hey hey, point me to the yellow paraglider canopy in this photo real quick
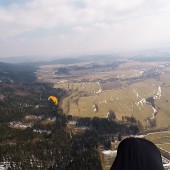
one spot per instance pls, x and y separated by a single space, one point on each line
54 99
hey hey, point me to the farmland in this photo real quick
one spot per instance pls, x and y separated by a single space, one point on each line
159 138
127 87
162 140
165 146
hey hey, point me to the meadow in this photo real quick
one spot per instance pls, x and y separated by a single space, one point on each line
123 89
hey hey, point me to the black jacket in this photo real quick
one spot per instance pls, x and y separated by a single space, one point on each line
137 154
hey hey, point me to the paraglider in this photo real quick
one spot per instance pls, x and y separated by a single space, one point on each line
54 99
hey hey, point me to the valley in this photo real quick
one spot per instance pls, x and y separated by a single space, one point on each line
100 101
126 87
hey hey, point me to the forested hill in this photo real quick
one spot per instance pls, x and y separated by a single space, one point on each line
33 131
17 72
36 134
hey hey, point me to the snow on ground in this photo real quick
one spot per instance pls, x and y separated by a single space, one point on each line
166 162
104 101
158 95
141 102
109 152
42 131
135 91
100 90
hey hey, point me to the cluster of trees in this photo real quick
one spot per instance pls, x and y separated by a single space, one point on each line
17 72
106 130
25 149
130 120
60 149
21 99
107 126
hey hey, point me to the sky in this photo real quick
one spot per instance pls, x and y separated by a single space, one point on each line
82 27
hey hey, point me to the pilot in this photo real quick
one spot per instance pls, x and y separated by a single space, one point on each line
137 154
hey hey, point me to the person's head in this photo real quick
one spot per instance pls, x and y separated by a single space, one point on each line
137 154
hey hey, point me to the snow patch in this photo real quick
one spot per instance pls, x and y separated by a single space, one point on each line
109 152
141 102
158 95
100 90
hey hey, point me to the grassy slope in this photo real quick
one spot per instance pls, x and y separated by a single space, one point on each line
121 101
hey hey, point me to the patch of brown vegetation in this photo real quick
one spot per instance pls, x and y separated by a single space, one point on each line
111 85
22 93
2 97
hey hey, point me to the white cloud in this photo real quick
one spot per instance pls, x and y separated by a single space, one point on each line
114 5
94 26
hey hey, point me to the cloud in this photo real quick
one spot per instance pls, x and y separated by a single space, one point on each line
82 26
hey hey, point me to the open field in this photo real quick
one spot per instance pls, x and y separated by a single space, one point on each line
165 146
122 101
94 88
162 140
159 138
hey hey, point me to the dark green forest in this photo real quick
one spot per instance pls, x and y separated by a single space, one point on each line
29 139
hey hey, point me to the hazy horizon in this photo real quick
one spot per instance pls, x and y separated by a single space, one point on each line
72 27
